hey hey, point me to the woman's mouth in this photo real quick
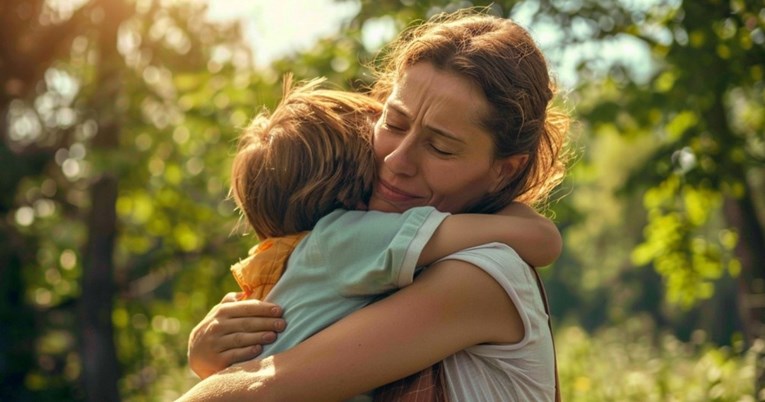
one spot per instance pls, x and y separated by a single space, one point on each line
391 193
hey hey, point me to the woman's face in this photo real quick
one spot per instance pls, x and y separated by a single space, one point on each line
429 146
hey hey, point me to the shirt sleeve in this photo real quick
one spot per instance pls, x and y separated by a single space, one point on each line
507 268
370 252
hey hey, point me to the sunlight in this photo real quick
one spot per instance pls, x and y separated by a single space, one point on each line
56 11
276 29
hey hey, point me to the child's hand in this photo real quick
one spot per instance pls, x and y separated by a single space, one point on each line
233 331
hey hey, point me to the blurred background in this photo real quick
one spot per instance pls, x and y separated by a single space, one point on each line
118 126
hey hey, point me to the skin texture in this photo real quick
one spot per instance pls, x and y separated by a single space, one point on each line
378 344
430 148
233 332
428 153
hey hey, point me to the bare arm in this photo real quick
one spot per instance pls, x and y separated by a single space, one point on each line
233 331
535 238
451 306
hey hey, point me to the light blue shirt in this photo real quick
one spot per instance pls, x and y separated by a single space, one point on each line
348 260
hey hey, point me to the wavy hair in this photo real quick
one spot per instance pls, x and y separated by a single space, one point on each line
502 59
308 157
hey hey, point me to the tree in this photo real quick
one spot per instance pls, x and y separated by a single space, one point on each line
703 103
97 135
25 151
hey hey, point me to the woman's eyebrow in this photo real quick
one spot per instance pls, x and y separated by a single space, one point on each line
445 134
398 108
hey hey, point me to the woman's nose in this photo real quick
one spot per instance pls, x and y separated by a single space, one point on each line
402 160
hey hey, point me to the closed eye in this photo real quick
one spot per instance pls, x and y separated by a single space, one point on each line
440 151
391 127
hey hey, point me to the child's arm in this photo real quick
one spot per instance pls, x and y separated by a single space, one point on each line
535 238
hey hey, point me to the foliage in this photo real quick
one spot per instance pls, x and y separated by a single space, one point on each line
635 362
666 156
699 102
180 99
699 98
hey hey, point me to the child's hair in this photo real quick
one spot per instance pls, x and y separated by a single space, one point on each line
312 155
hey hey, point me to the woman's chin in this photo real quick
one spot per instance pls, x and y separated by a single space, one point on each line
383 205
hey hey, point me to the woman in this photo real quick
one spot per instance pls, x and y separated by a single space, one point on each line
466 127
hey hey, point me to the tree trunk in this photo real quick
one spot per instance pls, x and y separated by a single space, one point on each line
101 369
99 355
741 214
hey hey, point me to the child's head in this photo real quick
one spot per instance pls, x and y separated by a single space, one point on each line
312 155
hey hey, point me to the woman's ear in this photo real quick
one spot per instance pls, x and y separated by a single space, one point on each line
507 169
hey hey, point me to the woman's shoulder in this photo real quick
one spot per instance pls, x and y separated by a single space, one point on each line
499 260
523 370
517 279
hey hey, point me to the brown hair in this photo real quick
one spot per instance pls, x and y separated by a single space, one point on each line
312 155
502 59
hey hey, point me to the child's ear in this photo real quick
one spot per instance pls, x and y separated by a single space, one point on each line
505 170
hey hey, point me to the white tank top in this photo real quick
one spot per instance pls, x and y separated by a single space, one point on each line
523 371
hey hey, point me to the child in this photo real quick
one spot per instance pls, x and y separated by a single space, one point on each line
301 177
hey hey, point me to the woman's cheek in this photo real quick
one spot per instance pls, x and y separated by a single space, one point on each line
383 145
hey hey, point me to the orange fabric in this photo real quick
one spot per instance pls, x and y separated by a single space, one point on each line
258 273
